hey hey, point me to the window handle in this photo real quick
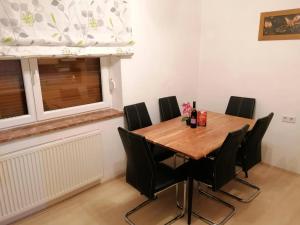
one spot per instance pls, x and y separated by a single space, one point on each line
112 85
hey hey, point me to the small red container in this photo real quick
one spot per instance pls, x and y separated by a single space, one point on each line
203 119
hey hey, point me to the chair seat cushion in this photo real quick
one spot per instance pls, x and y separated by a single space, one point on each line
167 176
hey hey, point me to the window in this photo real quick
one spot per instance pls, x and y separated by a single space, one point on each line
12 90
38 89
69 82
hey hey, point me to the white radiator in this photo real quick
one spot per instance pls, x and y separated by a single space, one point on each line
32 177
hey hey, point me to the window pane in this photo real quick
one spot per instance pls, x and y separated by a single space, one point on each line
12 92
70 82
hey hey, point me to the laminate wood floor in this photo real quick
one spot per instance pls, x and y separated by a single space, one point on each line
105 204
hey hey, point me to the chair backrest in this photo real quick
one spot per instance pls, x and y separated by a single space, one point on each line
141 168
251 146
241 106
224 167
137 116
168 107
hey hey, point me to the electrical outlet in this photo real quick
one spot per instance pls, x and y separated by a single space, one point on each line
289 119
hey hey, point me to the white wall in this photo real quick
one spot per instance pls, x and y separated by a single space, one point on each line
233 62
166 59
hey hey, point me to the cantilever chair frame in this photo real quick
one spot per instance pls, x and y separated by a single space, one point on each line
217 185
219 200
266 119
142 171
216 199
148 201
250 198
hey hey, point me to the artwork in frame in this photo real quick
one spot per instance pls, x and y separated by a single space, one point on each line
280 25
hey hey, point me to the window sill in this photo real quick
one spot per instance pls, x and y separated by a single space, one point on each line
57 124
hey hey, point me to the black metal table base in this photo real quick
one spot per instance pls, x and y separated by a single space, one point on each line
190 198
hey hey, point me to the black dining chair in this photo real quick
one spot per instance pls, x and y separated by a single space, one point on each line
137 117
217 170
168 107
146 175
241 106
249 154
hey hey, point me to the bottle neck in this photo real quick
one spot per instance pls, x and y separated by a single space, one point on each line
194 105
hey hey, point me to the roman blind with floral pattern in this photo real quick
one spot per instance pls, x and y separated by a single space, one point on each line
43 28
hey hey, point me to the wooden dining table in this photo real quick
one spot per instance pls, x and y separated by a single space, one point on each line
194 143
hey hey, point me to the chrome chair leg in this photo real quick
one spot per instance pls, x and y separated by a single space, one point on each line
208 221
178 216
136 209
174 161
185 159
240 169
177 202
178 156
184 197
251 197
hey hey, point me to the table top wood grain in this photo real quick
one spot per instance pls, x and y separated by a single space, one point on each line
194 143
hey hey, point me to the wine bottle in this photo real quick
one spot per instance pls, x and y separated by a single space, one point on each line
194 116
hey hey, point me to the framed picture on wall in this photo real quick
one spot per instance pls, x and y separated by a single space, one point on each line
279 25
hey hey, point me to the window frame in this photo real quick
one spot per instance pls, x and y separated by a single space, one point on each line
44 115
30 101
34 98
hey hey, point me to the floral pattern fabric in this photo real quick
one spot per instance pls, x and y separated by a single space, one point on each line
70 25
